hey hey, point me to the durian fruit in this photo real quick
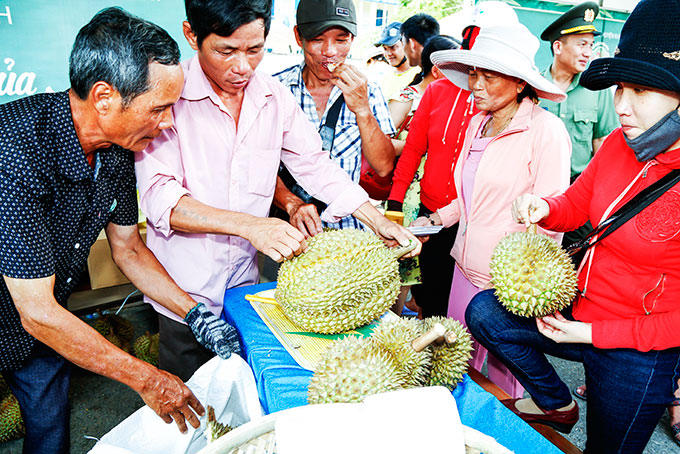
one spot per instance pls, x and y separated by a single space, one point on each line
146 348
532 274
121 326
4 388
213 428
118 341
396 337
347 278
450 357
352 368
11 422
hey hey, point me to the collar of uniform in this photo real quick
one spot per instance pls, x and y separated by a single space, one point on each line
71 156
197 86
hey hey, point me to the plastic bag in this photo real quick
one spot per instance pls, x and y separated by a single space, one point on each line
227 385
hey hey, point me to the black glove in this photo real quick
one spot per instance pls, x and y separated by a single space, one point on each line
212 332
393 205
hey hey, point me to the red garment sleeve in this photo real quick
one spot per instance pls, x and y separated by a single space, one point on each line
414 149
644 333
571 210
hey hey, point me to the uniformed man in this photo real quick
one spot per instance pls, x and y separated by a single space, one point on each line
589 116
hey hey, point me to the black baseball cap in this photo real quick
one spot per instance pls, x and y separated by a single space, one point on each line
316 16
579 19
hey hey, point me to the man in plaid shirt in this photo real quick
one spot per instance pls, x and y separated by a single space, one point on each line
325 31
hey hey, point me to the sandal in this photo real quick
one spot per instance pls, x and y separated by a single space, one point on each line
580 392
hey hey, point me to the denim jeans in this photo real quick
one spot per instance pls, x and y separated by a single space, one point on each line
628 390
41 387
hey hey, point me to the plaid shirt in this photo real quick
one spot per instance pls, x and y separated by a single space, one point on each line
347 143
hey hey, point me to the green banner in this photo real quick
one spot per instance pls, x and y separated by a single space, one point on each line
37 36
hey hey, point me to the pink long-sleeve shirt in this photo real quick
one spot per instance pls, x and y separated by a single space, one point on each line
531 156
207 157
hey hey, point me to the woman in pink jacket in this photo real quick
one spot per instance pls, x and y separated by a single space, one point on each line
511 147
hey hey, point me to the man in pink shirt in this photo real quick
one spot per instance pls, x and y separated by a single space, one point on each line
206 185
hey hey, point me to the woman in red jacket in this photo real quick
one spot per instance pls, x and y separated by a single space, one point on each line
624 322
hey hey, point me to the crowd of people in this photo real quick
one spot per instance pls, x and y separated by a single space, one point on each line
465 134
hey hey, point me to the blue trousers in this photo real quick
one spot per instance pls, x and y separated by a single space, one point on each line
41 386
628 390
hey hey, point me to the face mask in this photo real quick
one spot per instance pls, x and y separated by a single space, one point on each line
656 139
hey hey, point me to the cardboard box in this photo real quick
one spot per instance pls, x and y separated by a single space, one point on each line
100 266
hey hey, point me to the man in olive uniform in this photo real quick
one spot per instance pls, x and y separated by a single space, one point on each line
588 115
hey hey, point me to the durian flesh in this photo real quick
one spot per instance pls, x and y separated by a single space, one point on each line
347 278
532 275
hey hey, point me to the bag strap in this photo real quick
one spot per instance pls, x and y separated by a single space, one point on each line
638 203
334 112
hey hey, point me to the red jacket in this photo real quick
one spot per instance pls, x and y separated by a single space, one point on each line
438 128
632 280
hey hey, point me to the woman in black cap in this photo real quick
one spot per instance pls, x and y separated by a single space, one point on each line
624 323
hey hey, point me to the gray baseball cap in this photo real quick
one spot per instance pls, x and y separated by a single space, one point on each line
315 16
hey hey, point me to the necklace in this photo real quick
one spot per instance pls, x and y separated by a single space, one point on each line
487 129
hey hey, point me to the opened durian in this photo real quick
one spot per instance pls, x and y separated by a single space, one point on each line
532 274
450 357
11 422
347 278
146 348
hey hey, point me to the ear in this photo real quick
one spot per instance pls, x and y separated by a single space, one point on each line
436 73
190 35
557 46
102 97
298 37
520 86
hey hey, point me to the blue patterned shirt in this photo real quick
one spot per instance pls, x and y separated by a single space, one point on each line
347 143
53 205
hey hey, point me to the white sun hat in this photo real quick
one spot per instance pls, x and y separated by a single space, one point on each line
507 49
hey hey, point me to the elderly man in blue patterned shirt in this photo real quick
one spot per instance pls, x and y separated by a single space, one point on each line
325 31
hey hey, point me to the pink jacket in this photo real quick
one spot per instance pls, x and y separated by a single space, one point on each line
531 156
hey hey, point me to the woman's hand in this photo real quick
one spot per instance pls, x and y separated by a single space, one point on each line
434 219
529 209
561 330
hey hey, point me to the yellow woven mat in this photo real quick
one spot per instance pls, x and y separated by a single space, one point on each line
305 347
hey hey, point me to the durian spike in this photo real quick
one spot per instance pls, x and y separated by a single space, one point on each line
400 251
437 332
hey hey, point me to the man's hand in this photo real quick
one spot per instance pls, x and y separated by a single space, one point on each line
305 218
395 235
275 238
213 333
561 330
171 399
354 87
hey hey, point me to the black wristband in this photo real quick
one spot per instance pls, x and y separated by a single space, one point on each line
427 215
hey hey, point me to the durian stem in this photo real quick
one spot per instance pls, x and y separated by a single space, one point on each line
437 332
399 251
532 228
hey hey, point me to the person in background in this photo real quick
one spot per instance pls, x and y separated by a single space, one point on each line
436 135
67 172
623 325
415 32
325 31
402 112
588 115
393 48
376 66
512 146
206 185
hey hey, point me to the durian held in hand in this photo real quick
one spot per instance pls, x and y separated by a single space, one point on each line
532 275
346 279
399 354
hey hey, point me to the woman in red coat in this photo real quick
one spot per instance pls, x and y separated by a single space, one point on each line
624 323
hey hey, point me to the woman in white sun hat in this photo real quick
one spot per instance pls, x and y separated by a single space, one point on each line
511 147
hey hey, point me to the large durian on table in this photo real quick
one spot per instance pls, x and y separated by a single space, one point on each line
346 279
532 274
399 354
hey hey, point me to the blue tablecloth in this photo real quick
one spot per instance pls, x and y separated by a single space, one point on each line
283 384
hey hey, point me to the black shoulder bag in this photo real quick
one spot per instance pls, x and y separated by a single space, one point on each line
327 132
638 203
